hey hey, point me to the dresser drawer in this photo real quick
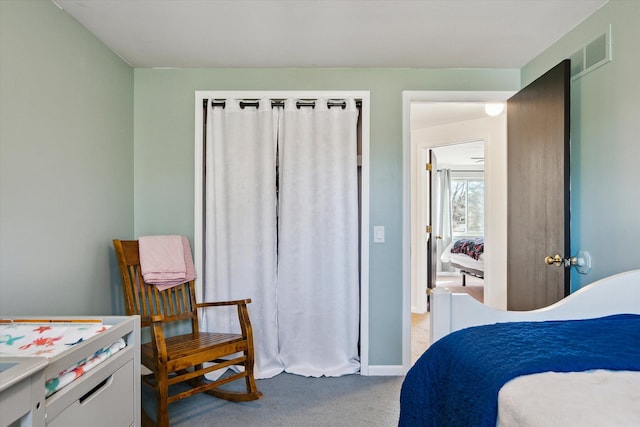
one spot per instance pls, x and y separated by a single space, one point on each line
110 403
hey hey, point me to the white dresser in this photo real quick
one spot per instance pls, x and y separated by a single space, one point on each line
107 395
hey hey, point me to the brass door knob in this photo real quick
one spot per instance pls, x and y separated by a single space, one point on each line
582 262
556 260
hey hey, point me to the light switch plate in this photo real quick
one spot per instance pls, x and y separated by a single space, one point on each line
378 234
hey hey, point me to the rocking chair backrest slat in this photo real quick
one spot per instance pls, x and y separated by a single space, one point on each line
173 304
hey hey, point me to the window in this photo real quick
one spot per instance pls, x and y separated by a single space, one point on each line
467 206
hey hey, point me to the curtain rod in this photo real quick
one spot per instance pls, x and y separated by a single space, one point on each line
280 103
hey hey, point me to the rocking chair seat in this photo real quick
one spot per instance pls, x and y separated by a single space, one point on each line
200 348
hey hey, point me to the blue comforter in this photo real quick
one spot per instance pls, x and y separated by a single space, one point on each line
457 380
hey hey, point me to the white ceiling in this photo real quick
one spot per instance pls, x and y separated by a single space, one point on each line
467 155
429 114
329 33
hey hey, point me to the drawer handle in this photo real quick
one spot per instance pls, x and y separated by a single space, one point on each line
96 389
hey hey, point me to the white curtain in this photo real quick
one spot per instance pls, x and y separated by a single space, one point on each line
240 223
318 288
298 261
444 224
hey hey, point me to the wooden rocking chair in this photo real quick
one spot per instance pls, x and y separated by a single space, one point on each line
180 358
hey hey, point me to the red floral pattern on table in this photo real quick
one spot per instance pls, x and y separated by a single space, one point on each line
40 342
28 339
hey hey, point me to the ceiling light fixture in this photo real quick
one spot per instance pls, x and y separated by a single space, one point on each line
493 109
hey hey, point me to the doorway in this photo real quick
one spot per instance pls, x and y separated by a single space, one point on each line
495 199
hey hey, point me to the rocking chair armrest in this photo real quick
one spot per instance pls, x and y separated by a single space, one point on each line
223 303
151 318
156 318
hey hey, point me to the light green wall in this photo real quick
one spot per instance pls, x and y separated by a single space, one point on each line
66 163
605 150
164 158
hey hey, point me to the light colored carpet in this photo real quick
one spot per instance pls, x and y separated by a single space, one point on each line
420 330
292 400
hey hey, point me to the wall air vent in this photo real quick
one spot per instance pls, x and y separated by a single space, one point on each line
591 56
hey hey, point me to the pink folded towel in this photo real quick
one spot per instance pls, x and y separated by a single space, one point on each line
166 261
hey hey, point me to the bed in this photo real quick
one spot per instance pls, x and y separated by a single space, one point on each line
58 371
576 362
467 255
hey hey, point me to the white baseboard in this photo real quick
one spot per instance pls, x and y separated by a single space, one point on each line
385 370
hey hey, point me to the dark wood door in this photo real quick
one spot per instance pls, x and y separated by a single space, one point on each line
538 190
432 244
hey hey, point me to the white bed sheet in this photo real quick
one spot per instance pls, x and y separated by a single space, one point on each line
592 398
